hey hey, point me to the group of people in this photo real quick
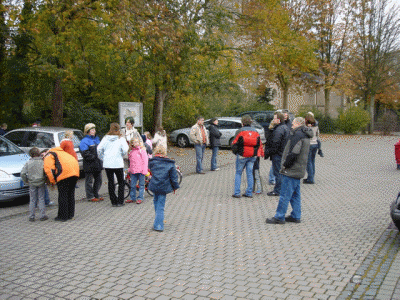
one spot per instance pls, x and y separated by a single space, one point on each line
118 148
291 147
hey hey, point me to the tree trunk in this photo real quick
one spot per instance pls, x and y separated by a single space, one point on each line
327 95
372 114
285 96
159 99
58 107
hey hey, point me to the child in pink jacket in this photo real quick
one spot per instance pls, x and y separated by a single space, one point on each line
138 168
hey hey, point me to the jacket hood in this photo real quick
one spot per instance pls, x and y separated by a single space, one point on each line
112 138
306 130
163 158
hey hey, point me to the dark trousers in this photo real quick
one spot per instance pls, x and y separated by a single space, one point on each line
276 166
92 189
66 198
111 185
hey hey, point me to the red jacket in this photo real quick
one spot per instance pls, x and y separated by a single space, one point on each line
249 142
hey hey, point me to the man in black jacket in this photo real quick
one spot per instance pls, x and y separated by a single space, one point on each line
293 168
274 146
215 142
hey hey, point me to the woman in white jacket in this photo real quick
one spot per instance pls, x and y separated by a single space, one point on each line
111 151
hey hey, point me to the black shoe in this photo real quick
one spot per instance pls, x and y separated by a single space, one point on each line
291 219
247 196
201 173
236 196
320 153
272 193
60 220
32 219
274 221
305 181
44 218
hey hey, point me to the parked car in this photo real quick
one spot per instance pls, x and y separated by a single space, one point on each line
44 138
227 125
263 117
12 160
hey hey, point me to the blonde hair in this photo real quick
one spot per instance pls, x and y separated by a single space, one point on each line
68 134
138 140
148 135
160 149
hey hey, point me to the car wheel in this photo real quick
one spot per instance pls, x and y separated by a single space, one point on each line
230 142
182 141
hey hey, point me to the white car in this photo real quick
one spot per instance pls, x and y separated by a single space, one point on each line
12 160
44 138
226 125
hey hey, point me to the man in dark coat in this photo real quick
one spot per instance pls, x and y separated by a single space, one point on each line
92 165
293 168
274 146
215 142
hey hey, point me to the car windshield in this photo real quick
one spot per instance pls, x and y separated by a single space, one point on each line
7 148
76 139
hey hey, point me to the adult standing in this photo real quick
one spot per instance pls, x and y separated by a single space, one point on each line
129 132
312 124
249 146
62 169
199 137
288 122
274 146
293 168
111 150
92 165
215 142
160 137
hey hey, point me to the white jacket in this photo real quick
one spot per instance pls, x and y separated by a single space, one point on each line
112 150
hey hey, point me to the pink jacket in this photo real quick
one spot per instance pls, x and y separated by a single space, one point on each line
138 161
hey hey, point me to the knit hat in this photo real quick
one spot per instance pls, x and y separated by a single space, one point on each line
88 127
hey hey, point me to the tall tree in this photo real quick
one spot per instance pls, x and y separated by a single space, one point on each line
278 35
331 29
376 38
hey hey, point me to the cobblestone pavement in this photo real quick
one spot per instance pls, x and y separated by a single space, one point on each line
218 247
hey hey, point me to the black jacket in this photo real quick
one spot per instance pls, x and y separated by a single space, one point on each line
276 141
215 135
91 162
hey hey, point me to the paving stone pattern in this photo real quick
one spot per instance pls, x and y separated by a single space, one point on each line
218 247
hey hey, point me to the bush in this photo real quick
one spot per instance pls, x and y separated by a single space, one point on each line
78 116
353 120
388 122
325 123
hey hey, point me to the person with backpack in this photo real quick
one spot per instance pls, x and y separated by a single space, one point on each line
247 145
62 169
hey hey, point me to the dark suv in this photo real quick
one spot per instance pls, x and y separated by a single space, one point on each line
263 117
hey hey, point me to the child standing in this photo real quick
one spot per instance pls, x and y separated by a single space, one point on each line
164 180
33 174
138 168
67 145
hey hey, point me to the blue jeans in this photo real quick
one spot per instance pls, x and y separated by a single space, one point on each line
271 178
290 193
134 179
241 163
199 156
276 165
36 194
159 206
214 158
311 162
46 196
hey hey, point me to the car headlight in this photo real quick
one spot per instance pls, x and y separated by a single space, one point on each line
5 175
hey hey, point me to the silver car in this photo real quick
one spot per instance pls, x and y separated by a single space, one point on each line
12 160
44 138
226 125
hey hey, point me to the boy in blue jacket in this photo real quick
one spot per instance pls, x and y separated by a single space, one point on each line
164 180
